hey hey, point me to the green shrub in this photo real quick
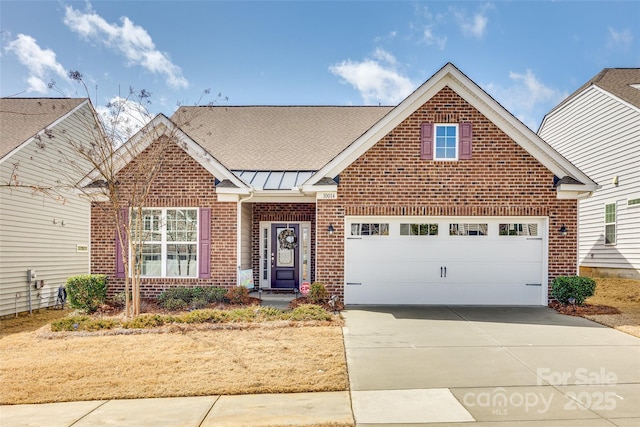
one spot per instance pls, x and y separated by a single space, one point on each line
563 288
198 297
118 300
199 302
148 321
214 294
82 323
87 292
237 295
318 293
308 312
204 316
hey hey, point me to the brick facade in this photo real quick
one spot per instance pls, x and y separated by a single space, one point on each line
501 179
390 179
181 182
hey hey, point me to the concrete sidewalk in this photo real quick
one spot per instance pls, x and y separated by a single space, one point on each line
484 366
296 409
489 365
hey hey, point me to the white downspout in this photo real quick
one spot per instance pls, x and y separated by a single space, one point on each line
239 234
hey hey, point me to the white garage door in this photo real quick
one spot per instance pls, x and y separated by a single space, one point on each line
476 261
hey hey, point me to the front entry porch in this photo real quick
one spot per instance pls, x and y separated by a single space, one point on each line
285 255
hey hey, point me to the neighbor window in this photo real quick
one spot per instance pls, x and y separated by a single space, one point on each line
169 242
634 202
468 229
368 229
518 229
610 224
446 142
418 229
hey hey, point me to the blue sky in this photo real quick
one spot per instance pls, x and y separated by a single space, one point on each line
528 55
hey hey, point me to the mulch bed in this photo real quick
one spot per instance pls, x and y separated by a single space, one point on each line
582 310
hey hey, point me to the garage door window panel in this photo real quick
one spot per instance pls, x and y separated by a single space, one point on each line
418 229
370 229
529 230
468 229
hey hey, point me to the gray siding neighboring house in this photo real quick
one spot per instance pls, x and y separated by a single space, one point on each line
598 129
49 231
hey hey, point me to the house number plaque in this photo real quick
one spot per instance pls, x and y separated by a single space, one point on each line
327 195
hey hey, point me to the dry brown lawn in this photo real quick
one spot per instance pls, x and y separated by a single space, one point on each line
623 294
38 366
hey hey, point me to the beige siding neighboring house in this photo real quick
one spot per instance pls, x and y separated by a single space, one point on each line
598 129
44 224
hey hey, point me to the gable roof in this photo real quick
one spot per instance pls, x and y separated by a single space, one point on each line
621 82
276 138
452 77
23 118
161 125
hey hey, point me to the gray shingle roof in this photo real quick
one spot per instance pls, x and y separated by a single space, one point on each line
276 138
22 118
617 81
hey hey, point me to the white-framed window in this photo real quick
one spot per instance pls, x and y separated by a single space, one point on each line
418 229
445 142
633 202
468 229
610 224
370 229
170 242
518 230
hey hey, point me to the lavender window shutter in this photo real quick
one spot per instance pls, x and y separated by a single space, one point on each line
204 242
464 148
426 141
122 220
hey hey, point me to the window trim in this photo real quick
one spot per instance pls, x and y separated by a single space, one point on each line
611 223
164 243
456 142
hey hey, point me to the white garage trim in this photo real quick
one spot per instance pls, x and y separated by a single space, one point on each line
476 266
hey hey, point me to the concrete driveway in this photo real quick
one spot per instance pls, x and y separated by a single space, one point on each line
513 365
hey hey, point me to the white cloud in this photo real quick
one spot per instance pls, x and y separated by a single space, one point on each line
129 39
476 25
431 39
41 63
122 118
377 80
428 33
622 38
526 97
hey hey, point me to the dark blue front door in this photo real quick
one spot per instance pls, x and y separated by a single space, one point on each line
285 250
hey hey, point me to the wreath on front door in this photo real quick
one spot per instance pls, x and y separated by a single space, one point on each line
287 239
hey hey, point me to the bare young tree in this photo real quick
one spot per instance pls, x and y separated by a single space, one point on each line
125 153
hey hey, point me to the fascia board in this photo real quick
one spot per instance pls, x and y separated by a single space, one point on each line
518 131
450 76
228 190
382 127
156 128
282 198
318 188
